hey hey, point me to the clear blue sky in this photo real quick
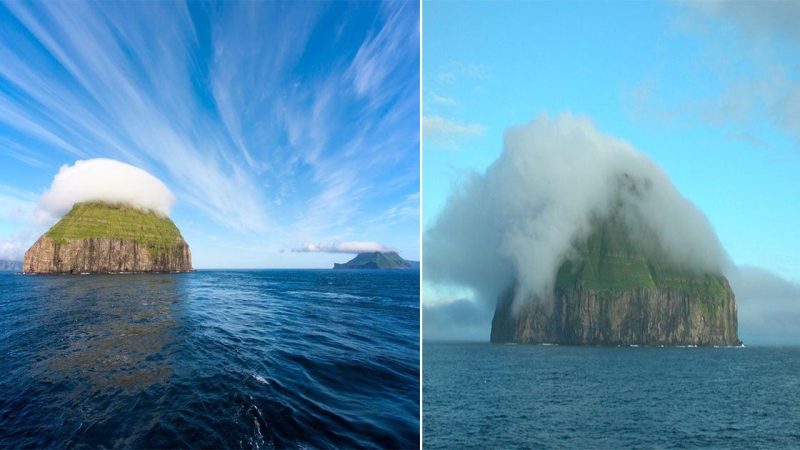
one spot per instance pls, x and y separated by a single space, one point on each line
709 90
274 124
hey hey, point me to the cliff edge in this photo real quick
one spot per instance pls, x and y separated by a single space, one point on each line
97 237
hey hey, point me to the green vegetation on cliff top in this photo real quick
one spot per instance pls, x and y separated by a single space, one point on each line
117 222
376 260
609 261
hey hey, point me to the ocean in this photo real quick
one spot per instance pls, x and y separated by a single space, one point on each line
524 396
212 359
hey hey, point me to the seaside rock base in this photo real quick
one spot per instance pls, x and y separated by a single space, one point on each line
101 255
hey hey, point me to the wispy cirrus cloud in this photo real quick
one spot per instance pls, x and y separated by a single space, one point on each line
455 71
378 55
237 107
441 99
406 209
746 49
94 80
447 132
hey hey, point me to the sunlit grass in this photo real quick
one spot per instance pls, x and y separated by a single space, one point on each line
116 222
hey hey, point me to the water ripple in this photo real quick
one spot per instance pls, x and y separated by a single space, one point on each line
226 359
499 396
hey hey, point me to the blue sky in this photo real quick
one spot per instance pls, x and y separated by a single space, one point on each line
274 124
708 90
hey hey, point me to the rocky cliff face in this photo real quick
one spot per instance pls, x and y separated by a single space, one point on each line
102 255
615 292
640 316
99 238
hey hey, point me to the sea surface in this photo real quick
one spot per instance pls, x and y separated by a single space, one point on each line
524 396
211 359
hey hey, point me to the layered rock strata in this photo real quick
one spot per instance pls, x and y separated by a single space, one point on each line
619 291
103 238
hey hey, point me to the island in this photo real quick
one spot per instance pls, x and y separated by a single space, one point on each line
99 237
378 260
616 292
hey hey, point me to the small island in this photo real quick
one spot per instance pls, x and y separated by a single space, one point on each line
99 237
378 260
618 292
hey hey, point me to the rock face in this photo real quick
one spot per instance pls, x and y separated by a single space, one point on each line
103 238
377 260
643 316
616 293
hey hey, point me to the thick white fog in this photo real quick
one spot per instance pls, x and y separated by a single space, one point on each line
521 219
768 306
103 180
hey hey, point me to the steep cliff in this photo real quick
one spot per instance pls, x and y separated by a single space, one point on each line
616 291
103 238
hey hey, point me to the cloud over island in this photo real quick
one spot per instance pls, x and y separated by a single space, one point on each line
272 124
343 247
521 219
105 180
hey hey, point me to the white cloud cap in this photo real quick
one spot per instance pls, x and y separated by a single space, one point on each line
521 219
343 247
103 180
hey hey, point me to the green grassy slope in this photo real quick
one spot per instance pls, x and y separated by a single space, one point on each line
609 260
380 260
115 221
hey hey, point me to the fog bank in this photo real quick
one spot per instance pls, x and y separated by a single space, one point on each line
768 305
522 218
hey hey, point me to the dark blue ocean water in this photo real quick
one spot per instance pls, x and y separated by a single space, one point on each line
242 359
519 396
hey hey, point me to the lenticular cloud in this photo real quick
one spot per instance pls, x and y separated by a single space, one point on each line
104 180
344 247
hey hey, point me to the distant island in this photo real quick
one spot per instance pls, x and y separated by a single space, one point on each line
98 237
378 260
10 266
617 293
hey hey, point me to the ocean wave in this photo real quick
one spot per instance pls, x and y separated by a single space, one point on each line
211 359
